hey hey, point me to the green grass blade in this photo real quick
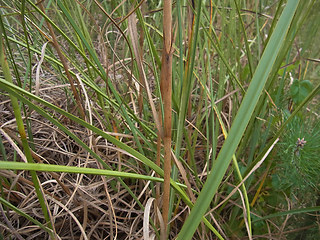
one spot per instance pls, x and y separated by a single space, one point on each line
241 120
40 167
186 85
17 210
246 43
290 212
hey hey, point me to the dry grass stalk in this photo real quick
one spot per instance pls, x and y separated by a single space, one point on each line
166 92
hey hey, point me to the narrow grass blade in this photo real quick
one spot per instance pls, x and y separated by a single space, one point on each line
290 212
18 211
40 167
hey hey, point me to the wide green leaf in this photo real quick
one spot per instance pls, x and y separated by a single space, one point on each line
299 90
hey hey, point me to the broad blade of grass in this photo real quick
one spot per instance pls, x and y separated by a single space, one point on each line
240 123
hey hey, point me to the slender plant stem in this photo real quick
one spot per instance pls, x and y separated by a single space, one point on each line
166 93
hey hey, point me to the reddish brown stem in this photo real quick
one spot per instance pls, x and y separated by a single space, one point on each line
65 66
166 92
